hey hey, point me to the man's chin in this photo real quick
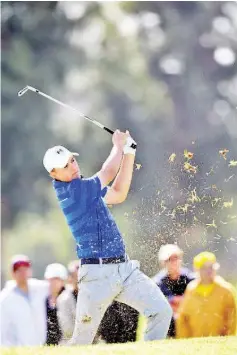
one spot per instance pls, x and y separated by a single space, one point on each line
77 176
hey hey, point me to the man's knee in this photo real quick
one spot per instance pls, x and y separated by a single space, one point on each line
163 311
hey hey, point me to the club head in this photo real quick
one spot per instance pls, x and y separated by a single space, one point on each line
23 91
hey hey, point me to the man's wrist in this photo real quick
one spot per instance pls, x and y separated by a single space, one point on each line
129 150
117 149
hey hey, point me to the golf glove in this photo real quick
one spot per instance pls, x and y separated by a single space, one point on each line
128 149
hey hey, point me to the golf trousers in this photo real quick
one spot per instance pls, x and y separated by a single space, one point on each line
100 284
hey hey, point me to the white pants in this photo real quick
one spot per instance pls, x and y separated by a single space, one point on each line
99 285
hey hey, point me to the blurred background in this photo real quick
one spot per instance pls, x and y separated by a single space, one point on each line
167 71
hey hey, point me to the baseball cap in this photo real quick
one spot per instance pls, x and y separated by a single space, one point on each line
167 250
204 257
57 157
55 270
20 260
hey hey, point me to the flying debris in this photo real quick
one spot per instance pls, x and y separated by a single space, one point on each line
232 163
223 153
213 224
190 168
188 155
172 157
193 196
228 204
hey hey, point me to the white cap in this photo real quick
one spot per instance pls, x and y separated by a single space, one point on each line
166 251
56 157
55 270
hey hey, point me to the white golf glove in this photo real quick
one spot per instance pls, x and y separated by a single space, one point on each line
128 149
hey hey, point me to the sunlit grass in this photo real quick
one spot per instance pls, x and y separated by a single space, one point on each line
201 346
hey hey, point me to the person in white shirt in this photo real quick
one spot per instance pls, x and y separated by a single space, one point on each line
22 307
67 300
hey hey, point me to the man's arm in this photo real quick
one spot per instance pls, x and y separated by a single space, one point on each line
65 314
111 166
7 330
183 329
230 317
121 185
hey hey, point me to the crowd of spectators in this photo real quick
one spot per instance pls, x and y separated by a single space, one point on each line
42 312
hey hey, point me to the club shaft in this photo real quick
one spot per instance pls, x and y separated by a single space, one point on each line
98 124
71 108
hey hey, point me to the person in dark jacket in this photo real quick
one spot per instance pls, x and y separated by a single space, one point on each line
56 274
119 324
172 279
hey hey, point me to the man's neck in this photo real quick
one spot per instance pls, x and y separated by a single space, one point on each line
23 287
55 294
206 282
174 275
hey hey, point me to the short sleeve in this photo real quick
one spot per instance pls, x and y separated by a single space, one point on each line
87 190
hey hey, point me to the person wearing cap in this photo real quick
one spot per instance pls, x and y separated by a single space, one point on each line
66 302
22 304
105 272
172 279
56 275
209 307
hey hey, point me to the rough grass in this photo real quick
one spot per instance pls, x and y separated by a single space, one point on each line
201 346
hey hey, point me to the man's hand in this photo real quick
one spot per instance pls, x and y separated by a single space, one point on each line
119 139
128 146
175 303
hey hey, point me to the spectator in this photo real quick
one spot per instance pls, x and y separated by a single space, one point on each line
56 274
22 303
67 300
173 279
208 308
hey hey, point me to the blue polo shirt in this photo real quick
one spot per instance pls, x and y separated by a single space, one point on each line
89 219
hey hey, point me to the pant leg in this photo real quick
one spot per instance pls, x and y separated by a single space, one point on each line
141 293
97 288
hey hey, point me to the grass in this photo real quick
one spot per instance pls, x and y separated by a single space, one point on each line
200 346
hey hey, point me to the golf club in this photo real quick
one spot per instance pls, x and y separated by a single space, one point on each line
25 89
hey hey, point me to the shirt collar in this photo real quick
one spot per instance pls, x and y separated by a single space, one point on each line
57 184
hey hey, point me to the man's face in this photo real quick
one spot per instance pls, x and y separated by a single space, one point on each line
207 272
22 274
173 264
55 285
68 173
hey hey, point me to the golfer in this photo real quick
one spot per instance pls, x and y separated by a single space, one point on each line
105 272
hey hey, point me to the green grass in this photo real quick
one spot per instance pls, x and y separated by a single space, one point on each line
201 346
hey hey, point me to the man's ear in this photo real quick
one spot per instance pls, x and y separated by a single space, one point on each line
53 174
